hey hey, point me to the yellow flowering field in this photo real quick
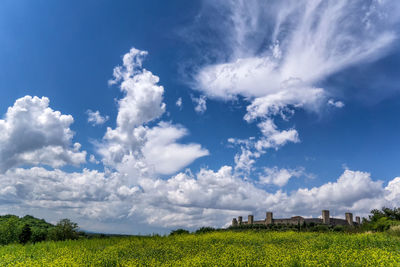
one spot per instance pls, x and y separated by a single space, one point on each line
248 248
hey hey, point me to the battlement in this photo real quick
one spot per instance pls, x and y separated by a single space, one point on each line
295 220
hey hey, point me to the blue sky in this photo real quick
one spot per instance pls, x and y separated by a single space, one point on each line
288 106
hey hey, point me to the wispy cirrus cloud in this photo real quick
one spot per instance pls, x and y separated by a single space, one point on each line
272 42
276 54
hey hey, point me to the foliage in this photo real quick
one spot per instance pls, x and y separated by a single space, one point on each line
382 220
229 248
322 228
392 214
338 228
203 230
25 234
179 232
65 229
14 229
394 230
9 229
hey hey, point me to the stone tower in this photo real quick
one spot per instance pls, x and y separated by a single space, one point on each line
358 220
234 222
325 217
349 218
250 220
269 218
240 220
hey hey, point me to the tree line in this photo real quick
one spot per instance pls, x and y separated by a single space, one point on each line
14 229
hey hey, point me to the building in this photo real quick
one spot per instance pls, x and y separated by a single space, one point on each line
326 219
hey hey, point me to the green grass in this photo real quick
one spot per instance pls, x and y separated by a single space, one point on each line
248 248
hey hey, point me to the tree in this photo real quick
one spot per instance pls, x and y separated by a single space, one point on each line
9 230
65 229
382 220
25 234
179 232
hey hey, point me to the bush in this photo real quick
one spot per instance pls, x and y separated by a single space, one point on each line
25 234
382 224
322 228
203 230
338 228
394 230
38 234
179 232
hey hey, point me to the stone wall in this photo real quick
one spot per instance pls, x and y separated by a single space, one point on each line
299 220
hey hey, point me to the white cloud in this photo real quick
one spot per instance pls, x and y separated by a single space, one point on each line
184 200
201 104
252 148
336 104
351 191
273 138
32 133
133 146
143 98
95 118
393 190
293 94
279 177
93 159
178 102
275 54
162 151
308 40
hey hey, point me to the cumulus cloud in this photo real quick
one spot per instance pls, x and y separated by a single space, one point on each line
179 102
201 104
354 190
95 118
186 199
162 151
133 146
279 177
143 98
336 104
133 193
32 133
93 159
393 190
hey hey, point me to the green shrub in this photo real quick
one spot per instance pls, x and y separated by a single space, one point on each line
25 234
338 228
179 232
322 228
394 230
38 234
203 230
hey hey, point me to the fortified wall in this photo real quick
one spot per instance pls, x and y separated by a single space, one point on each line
326 219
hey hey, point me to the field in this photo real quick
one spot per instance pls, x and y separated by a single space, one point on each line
213 249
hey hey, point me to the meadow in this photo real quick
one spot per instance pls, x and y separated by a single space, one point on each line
247 248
